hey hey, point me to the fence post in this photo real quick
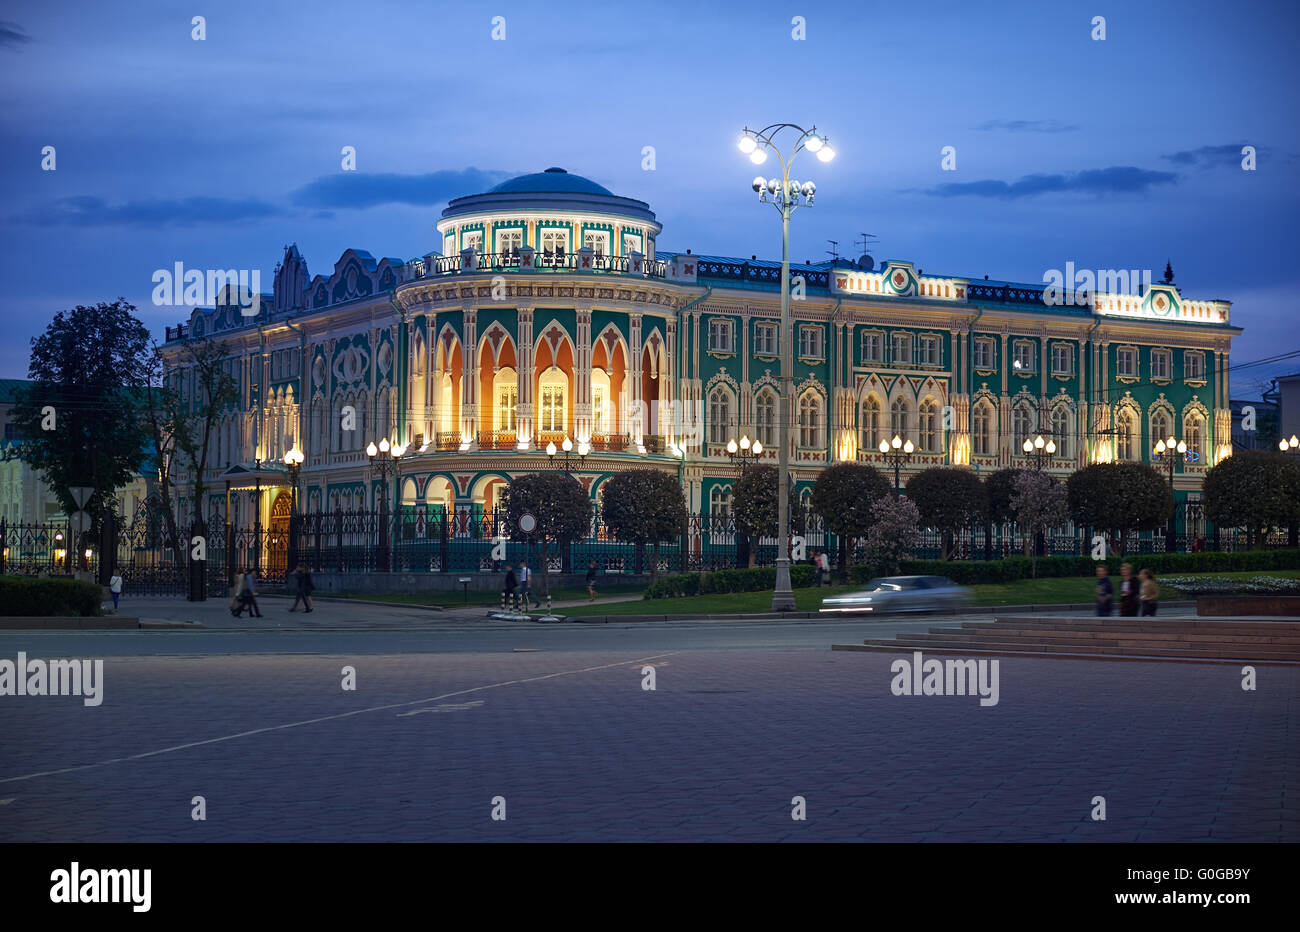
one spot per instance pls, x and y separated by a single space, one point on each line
338 537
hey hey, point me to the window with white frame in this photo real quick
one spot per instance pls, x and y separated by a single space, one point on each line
1061 432
719 501
472 239
553 414
1062 359
928 418
720 335
1022 424
555 242
1126 362
507 405
631 244
1161 363
1160 426
1125 435
984 358
509 242
719 415
765 339
1023 359
810 342
810 417
597 241
765 417
899 418
982 428
873 346
1193 365
869 425
901 345
1194 437
930 350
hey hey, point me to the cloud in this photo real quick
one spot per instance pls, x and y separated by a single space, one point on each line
85 210
356 190
1119 179
1211 156
13 35
1027 126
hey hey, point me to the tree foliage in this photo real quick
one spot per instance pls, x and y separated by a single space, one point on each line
80 419
1119 497
999 487
844 494
1040 504
643 506
948 499
1253 489
895 533
755 504
558 502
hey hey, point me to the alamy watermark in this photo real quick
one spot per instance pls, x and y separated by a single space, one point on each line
37 677
953 677
1077 286
208 287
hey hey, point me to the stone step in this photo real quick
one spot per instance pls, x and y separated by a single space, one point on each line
1067 652
1226 637
1219 648
1152 624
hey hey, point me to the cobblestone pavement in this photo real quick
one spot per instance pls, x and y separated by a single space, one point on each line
565 734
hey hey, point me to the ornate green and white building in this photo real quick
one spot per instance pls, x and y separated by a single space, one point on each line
550 312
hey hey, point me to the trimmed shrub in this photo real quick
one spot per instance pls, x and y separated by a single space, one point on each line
24 596
802 575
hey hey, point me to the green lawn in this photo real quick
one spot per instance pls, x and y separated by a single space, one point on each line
1024 592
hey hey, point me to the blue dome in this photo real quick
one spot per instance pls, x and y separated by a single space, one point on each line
553 180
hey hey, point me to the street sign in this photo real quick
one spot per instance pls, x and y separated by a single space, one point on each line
527 523
81 494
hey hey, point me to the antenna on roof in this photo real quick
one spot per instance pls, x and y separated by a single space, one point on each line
865 261
833 250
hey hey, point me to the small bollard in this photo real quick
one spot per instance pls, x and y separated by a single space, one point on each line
548 603
503 600
516 603
464 583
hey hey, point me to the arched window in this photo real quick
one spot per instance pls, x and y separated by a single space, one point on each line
1061 432
719 415
1160 426
982 428
929 426
765 417
810 421
505 399
1125 442
1194 436
1022 424
899 418
553 410
600 406
869 425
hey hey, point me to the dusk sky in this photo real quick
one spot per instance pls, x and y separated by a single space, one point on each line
1122 153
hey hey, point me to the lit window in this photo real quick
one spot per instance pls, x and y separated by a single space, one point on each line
472 239
1124 432
509 242
1024 359
1193 435
555 243
983 428
929 426
507 405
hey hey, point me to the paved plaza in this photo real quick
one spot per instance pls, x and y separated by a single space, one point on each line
554 720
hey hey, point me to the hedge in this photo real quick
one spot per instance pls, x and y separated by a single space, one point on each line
974 572
24 596
802 575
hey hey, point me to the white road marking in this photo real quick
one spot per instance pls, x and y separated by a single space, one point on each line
325 718
5 802
445 707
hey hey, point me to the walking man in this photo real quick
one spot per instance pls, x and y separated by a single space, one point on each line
591 581
248 595
1105 589
525 580
509 585
303 587
115 588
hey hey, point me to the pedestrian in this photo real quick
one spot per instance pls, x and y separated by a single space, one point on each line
115 588
1128 591
248 595
823 568
525 578
510 584
1105 589
302 586
1149 594
234 592
591 581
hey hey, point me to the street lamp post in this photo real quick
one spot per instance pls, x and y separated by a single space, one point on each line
1170 452
784 194
567 448
293 461
896 452
742 454
384 459
1039 450
1291 446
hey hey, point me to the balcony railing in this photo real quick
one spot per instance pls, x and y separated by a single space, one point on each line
542 262
447 440
610 443
497 440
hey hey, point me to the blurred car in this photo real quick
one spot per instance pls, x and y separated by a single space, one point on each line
901 594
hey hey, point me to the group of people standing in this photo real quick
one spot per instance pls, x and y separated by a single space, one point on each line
243 596
1137 594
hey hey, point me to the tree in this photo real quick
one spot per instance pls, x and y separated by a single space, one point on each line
754 502
949 500
1040 504
1119 497
1254 489
181 426
999 487
558 502
843 496
79 419
895 533
643 506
